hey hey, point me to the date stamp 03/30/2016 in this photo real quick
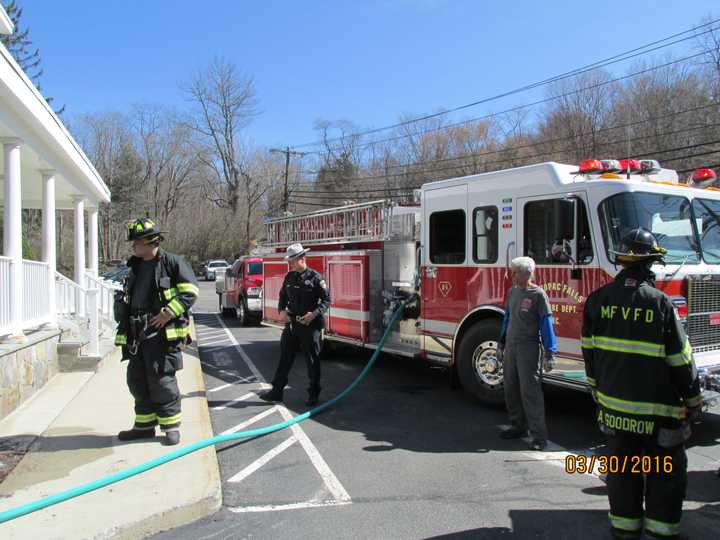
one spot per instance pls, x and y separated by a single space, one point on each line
582 464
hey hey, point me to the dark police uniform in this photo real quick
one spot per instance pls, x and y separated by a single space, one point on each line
164 282
640 366
302 292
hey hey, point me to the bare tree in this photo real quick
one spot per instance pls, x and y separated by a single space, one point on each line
108 140
170 159
224 103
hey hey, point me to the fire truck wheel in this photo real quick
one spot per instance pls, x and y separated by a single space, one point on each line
241 313
478 369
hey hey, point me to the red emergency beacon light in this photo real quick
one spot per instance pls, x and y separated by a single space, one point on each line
702 178
630 165
591 166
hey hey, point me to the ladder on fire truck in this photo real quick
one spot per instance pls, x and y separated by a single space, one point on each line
363 222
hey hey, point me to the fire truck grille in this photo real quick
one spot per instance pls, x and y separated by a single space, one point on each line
703 321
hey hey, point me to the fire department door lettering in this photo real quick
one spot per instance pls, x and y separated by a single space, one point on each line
444 287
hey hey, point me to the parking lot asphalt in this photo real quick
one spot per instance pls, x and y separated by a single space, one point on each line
404 456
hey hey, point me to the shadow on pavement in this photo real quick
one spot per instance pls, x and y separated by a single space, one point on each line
585 524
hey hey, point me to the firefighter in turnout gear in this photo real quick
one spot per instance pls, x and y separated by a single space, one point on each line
640 367
152 316
303 301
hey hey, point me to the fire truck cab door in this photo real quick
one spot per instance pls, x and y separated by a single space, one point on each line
444 253
556 232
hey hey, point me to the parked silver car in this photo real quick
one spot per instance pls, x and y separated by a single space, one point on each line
212 267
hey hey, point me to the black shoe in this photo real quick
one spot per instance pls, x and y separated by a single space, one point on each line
311 401
538 444
172 437
513 433
272 396
135 433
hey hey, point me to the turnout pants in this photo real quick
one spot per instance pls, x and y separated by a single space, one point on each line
663 492
295 336
523 388
152 382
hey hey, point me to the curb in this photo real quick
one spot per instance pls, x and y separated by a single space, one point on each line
200 508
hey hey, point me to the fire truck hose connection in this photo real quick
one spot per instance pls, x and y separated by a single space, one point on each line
143 467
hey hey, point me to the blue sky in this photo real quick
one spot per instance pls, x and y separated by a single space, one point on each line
364 61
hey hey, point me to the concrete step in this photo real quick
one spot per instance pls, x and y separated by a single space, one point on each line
69 354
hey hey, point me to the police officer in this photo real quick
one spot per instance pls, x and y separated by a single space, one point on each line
152 317
641 370
303 301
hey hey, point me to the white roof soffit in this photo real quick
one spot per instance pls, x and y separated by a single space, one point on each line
24 110
6 25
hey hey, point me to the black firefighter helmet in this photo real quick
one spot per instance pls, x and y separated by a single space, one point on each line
639 245
144 229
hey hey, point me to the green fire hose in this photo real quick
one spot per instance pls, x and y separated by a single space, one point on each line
138 469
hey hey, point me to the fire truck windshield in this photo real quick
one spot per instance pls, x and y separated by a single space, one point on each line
707 216
668 217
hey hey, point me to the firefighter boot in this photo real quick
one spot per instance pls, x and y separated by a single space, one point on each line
273 395
312 400
137 433
172 437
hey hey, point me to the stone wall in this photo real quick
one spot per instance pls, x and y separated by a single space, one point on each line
24 369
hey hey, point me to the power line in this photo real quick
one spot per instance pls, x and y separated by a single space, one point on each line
420 171
627 55
501 161
519 107
408 190
559 139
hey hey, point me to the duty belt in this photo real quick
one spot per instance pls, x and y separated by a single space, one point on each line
139 325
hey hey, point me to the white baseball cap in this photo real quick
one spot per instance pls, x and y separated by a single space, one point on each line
294 251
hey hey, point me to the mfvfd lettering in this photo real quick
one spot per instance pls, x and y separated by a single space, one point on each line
627 313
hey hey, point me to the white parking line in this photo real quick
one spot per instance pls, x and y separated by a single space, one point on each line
236 400
227 385
340 494
226 372
250 422
555 455
262 460
213 343
295 506
331 481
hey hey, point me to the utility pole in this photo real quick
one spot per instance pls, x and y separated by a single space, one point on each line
288 153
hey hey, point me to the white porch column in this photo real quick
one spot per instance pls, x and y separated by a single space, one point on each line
93 239
12 233
49 250
80 247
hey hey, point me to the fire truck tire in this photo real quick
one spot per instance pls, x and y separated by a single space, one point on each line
477 368
242 313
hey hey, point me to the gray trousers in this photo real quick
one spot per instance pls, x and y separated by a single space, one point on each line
523 388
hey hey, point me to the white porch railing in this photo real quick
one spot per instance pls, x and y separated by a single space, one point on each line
69 296
106 295
5 321
36 303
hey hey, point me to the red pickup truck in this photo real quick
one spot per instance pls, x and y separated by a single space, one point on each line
240 293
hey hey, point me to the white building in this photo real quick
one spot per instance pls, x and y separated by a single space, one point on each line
42 167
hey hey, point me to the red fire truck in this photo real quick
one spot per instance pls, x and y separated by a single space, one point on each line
239 290
454 248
